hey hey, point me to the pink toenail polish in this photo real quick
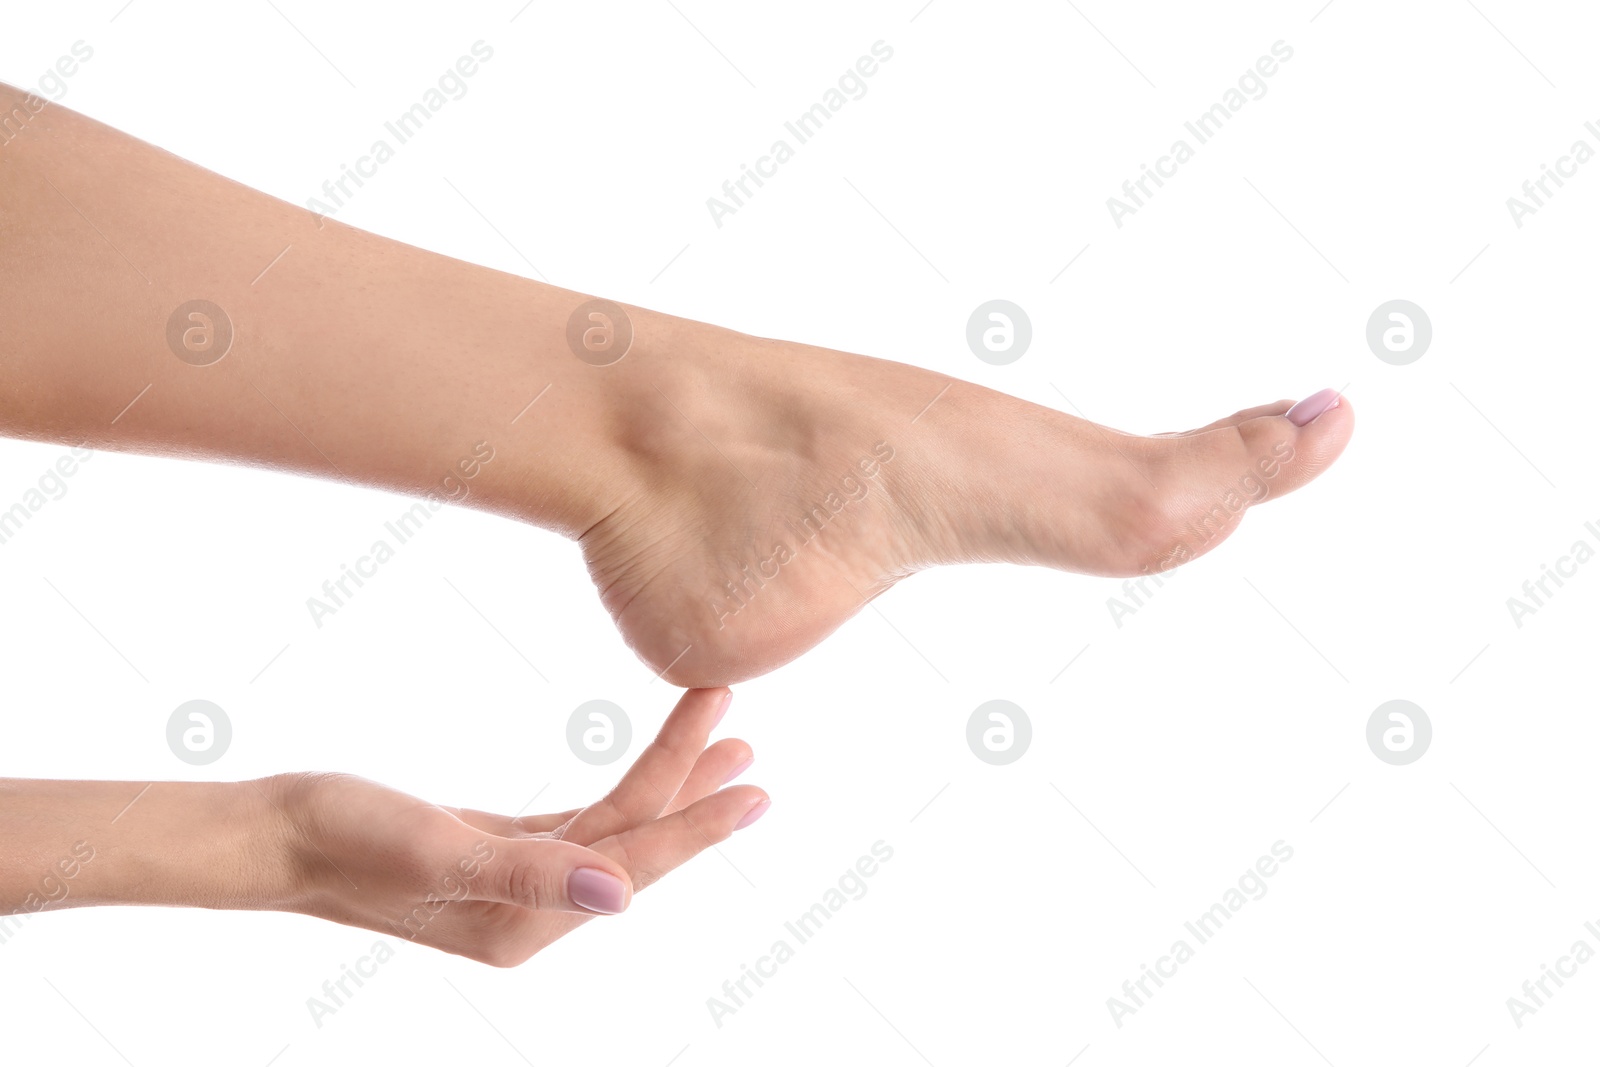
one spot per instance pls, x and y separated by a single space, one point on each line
1312 406
753 814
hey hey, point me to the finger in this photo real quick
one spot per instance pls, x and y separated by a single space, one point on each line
655 848
542 824
716 767
549 875
652 850
658 773
509 825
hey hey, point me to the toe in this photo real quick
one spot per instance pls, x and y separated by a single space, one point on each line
1279 407
1205 481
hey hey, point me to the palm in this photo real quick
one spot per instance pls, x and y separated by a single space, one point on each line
471 882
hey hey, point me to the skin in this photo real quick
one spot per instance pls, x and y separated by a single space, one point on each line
337 847
685 470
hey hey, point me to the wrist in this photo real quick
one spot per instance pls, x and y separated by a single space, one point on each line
200 844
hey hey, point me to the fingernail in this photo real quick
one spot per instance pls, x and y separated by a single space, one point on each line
597 890
737 771
1312 406
727 701
753 814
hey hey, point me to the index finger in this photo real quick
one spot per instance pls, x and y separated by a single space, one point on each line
658 773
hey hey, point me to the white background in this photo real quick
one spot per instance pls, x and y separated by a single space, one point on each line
1224 716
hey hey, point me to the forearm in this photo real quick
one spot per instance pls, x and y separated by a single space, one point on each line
352 356
76 844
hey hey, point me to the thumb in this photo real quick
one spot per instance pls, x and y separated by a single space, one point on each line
544 874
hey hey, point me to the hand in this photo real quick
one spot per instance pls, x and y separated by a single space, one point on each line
499 889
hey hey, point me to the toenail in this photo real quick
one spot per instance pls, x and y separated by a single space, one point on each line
1312 406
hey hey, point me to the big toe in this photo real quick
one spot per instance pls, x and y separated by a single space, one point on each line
1206 480
1322 424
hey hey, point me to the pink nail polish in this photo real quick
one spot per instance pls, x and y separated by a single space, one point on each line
597 890
737 771
753 814
1312 406
727 702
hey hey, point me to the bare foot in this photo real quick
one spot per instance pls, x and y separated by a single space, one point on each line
773 489
736 498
